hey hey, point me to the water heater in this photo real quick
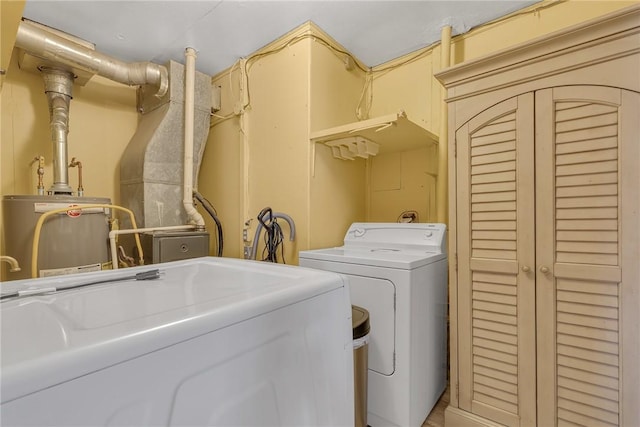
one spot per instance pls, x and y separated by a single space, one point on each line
73 241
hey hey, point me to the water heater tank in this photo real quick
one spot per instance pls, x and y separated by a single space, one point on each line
70 242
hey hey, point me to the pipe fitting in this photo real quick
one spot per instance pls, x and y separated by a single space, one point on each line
141 72
78 164
57 80
40 172
13 263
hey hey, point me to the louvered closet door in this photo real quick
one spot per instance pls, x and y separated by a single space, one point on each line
496 298
579 152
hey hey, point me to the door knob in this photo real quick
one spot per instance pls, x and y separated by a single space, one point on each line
526 268
544 269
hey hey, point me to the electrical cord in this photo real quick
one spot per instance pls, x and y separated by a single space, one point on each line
251 59
273 240
206 204
144 275
273 236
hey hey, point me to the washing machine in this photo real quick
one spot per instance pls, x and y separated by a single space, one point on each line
398 272
205 341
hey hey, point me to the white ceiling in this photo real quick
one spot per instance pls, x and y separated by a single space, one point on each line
222 31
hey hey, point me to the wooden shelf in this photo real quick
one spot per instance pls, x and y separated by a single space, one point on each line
393 132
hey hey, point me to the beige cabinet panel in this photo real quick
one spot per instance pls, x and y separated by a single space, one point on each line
540 244
579 239
545 230
496 340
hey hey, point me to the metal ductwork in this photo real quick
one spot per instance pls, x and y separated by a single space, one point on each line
151 168
47 44
63 59
57 87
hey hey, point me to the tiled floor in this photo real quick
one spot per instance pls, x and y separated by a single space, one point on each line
436 417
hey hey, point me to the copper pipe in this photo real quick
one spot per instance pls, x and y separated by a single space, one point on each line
40 172
13 263
78 163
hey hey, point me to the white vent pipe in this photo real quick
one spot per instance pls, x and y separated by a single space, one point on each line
193 216
44 44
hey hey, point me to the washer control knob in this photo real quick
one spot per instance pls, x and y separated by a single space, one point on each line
358 232
428 234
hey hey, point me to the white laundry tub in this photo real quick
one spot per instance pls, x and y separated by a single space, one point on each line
213 341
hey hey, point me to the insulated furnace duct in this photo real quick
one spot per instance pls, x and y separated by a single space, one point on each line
151 168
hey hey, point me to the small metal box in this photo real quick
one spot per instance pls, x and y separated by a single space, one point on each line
161 246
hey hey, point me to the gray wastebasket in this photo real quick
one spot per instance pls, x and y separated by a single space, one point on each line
360 324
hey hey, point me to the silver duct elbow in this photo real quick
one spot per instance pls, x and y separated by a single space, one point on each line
47 45
134 73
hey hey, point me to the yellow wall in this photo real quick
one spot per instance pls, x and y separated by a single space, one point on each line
406 181
409 87
278 131
222 174
407 83
535 21
291 92
337 187
403 181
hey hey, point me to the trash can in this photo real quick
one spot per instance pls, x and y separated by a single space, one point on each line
360 324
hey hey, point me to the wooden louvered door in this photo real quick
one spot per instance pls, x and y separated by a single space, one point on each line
547 246
582 134
496 309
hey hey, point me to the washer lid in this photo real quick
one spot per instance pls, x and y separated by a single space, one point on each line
390 257
54 337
